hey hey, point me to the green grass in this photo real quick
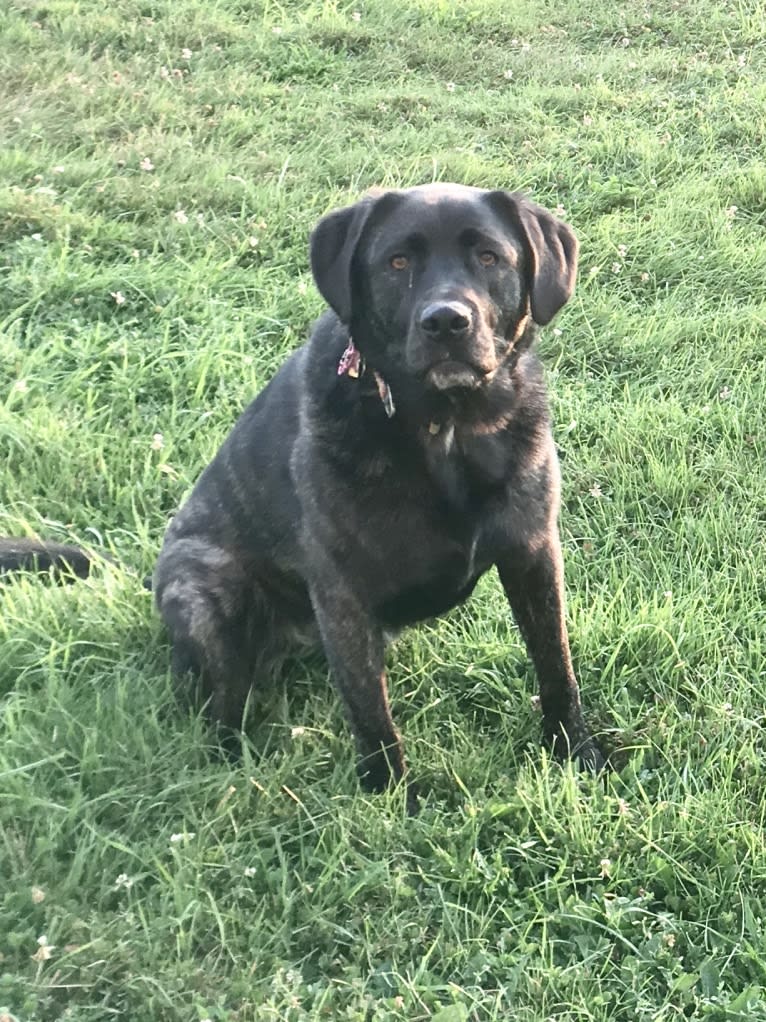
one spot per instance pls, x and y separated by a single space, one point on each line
172 888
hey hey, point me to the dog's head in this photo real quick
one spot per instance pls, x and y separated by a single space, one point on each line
438 282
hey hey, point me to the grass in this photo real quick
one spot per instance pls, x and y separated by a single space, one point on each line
162 165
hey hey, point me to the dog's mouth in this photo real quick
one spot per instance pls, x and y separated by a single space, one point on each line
453 375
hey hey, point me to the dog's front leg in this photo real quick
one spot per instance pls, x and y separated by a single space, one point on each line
534 584
355 647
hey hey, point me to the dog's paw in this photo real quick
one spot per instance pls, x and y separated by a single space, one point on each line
589 759
413 798
376 775
574 742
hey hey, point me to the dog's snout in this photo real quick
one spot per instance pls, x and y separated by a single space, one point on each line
446 320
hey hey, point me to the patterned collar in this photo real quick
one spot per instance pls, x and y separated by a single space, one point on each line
352 364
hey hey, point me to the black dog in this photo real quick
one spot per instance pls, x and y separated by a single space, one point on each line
396 457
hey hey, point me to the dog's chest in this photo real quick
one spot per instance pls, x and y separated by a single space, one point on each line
425 572
467 471
426 547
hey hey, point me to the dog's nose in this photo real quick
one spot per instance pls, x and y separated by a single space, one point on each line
447 320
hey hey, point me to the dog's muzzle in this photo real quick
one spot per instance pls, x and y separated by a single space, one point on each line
446 322
450 352
452 375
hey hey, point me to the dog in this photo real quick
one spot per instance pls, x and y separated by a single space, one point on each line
392 460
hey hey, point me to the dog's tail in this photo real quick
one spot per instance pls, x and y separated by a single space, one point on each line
62 561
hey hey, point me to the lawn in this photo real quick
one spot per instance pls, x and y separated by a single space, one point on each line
162 163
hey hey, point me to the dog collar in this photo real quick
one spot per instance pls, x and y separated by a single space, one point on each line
351 361
352 364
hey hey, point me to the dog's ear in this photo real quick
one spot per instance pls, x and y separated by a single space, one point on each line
333 244
551 249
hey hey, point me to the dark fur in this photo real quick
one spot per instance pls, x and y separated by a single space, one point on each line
65 561
322 518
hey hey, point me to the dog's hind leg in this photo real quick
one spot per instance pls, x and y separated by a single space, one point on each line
206 599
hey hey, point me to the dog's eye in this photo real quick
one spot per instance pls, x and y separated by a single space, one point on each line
487 258
400 262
